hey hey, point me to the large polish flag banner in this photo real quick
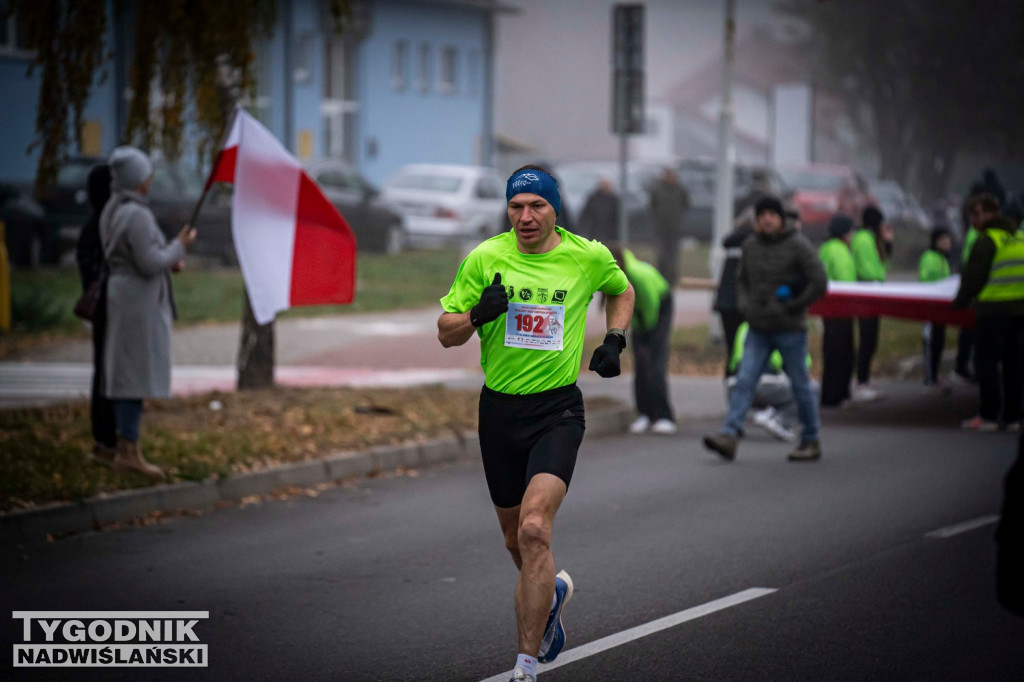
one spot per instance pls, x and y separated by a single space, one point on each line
294 248
924 301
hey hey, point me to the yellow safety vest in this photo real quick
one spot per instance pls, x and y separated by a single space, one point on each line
1006 278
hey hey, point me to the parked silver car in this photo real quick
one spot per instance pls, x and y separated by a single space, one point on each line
444 203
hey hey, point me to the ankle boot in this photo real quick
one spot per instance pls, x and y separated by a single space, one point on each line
102 454
129 458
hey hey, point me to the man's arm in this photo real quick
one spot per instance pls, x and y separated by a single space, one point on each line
454 329
976 271
619 310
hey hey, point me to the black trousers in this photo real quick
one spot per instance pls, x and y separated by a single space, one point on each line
837 360
101 410
866 346
965 352
999 363
933 343
731 321
668 258
650 353
1010 539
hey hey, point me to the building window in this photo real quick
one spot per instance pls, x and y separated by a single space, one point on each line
399 65
12 34
424 77
473 85
449 71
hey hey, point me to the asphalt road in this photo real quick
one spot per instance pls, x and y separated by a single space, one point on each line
406 578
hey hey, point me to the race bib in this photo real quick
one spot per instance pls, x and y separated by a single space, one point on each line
537 327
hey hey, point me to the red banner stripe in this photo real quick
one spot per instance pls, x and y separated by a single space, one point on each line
324 257
223 167
922 309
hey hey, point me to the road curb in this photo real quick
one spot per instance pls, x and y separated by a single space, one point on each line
30 526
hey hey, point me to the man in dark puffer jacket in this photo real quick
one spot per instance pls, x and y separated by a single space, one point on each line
779 276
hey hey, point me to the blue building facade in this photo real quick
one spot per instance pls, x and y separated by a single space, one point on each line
410 81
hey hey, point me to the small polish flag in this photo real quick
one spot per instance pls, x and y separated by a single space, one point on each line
294 247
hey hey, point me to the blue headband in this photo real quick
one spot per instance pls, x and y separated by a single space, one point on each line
534 182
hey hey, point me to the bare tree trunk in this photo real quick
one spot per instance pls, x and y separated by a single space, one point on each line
255 352
256 346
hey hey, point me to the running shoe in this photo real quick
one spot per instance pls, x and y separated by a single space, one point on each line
641 425
554 633
768 419
519 675
664 427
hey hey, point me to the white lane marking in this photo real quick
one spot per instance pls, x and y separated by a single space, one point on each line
956 529
626 636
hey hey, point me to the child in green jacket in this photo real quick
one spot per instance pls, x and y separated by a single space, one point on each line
837 340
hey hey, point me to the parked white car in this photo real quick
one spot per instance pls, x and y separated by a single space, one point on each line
443 203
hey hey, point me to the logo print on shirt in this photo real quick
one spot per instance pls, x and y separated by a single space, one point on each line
559 296
525 294
542 295
511 292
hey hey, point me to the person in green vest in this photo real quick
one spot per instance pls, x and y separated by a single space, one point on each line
993 280
872 255
980 208
837 340
650 332
934 266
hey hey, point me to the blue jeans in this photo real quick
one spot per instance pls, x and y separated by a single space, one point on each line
127 415
756 351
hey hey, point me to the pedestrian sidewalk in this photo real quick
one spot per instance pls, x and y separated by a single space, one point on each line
391 349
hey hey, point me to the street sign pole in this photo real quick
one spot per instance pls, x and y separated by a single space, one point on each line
627 91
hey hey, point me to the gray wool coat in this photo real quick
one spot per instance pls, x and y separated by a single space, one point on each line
140 303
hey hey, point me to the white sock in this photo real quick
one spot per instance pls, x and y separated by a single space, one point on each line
528 664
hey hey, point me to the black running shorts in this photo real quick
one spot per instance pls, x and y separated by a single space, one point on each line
525 435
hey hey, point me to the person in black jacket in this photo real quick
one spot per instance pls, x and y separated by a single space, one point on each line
726 305
89 255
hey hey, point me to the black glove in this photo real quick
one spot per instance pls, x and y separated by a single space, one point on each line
605 360
493 303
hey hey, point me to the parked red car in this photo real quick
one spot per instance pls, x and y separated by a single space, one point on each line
822 190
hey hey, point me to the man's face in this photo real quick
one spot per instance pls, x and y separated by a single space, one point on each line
769 222
533 220
979 216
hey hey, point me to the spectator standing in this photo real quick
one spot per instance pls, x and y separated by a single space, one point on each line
140 302
993 279
837 340
650 335
979 208
872 256
934 266
669 203
599 218
726 303
90 259
774 259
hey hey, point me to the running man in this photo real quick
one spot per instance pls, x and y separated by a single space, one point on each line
525 293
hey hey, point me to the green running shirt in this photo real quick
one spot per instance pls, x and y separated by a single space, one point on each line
549 294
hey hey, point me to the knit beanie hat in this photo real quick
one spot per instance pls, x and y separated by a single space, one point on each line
872 218
129 167
840 225
769 203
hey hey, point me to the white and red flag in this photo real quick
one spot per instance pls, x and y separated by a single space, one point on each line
924 301
294 247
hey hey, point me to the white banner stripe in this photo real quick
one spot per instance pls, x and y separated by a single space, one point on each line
640 631
957 529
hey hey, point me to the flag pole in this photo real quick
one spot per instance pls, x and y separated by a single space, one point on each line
213 166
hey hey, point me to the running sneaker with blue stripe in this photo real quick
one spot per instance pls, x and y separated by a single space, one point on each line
554 633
